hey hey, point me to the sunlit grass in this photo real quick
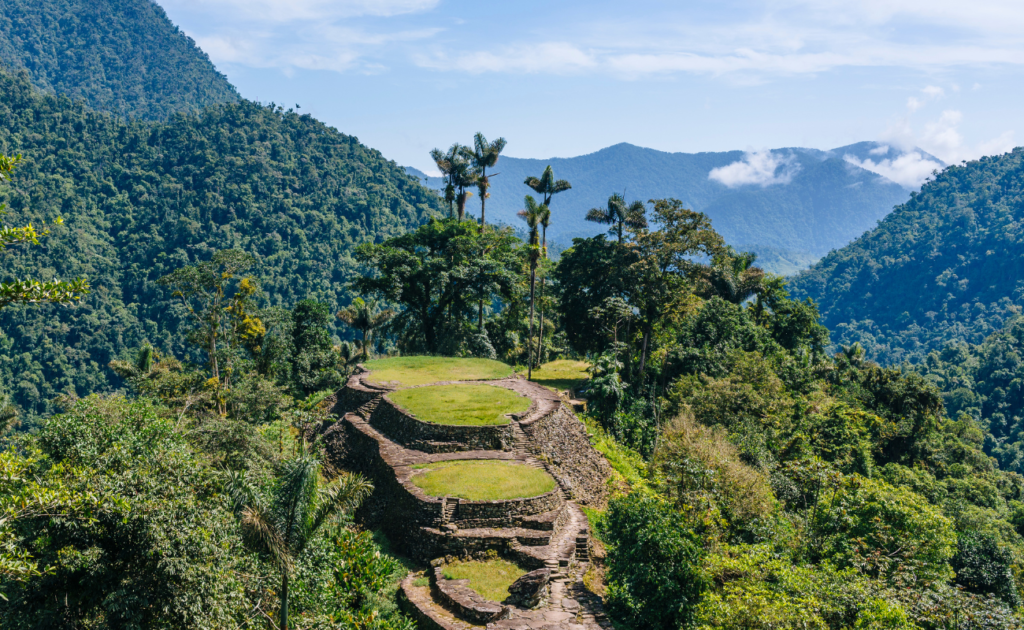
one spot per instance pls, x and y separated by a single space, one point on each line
411 371
461 404
482 480
489 578
562 374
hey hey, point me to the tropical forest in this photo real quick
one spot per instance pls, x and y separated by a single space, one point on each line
256 375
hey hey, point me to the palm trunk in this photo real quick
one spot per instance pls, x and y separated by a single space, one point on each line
643 352
365 355
540 340
529 340
483 198
284 602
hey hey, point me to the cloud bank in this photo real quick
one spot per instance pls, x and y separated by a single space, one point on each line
761 168
909 170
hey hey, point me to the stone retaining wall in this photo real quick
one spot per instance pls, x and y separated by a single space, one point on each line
565 447
505 513
456 596
404 428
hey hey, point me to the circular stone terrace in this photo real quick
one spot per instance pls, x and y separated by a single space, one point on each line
468 461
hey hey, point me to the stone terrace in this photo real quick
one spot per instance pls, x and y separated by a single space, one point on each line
384 442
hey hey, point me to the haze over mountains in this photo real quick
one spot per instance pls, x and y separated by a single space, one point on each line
791 205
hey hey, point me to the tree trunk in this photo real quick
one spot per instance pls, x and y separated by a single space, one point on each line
483 199
643 351
540 340
529 340
365 355
284 602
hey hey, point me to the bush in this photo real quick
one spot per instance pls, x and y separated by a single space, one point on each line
983 567
654 574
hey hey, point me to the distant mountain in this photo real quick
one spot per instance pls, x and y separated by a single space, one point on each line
790 205
120 56
947 266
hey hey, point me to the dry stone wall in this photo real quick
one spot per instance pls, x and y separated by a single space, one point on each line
403 427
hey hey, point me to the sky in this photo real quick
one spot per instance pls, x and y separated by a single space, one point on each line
566 78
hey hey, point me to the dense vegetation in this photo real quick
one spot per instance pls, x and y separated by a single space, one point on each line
141 199
120 56
827 203
943 267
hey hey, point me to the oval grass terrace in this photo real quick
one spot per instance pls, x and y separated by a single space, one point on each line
398 372
463 404
482 480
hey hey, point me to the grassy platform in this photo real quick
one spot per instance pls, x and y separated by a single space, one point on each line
482 480
465 405
561 374
489 578
411 371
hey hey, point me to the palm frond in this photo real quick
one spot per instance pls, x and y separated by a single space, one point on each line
344 494
260 533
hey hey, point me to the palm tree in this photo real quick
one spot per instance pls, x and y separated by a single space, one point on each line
532 215
483 156
365 317
282 523
733 276
463 177
547 185
458 174
619 215
444 164
545 220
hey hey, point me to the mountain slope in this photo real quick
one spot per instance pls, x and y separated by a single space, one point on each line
819 203
948 265
142 199
121 56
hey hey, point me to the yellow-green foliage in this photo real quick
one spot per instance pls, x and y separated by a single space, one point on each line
461 404
482 480
562 374
410 371
630 470
698 464
761 590
490 578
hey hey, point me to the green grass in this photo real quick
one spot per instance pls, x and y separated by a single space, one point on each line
489 578
562 374
628 465
482 480
465 405
411 371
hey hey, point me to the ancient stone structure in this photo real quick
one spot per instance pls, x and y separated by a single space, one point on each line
379 439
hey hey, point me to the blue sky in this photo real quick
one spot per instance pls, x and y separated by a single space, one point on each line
568 78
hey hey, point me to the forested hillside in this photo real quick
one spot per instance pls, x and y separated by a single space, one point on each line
121 56
820 202
944 267
140 200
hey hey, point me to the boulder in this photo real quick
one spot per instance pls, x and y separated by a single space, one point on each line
529 590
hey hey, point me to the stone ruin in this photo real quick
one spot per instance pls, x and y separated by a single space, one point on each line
547 535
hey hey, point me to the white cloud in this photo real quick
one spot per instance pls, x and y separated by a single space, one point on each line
880 150
933 91
908 170
762 168
548 57
914 104
941 137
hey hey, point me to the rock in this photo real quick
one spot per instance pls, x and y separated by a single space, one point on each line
529 590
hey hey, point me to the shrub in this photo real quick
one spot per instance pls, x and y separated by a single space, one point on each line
654 574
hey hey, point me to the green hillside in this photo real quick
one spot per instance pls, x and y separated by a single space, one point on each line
142 199
121 56
945 266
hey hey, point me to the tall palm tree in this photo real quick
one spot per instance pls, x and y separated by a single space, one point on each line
733 277
463 177
282 523
445 163
545 220
365 317
619 215
482 156
547 185
532 215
